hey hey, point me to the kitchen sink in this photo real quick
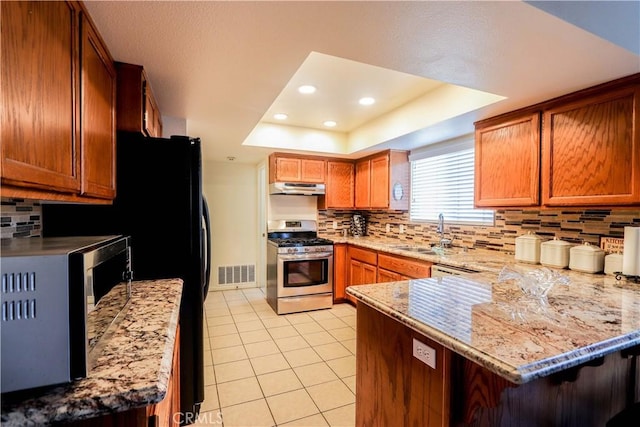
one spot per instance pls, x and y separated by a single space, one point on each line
419 249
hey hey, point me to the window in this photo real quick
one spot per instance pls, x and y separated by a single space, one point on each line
442 182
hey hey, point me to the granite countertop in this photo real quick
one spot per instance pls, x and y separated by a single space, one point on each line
131 371
474 259
515 336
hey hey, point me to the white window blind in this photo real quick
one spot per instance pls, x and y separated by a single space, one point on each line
442 178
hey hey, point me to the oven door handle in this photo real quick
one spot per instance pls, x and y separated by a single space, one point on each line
306 256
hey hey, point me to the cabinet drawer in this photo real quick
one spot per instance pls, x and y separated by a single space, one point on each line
364 255
405 266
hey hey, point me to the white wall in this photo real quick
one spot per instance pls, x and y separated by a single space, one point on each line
231 191
292 207
173 126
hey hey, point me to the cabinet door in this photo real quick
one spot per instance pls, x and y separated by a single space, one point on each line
97 120
387 276
288 170
369 273
312 170
363 184
40 145
507 170
339 191
339 271
591 151
380 182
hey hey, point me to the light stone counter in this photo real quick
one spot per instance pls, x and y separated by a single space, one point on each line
132 370
516 337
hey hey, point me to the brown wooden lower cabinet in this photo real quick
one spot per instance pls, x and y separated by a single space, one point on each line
393 388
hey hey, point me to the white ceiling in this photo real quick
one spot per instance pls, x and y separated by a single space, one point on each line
221 65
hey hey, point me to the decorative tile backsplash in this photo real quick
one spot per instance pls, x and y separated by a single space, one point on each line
20 218
574 226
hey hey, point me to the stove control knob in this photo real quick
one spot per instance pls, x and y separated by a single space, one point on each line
291 250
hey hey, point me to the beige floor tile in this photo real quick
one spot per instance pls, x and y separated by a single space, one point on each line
279 382
350 345
213 313
298 318
208 419
239 391
331 395
333 323
267 313
351 383
342 310
304 356
241 309
343 367
219 330
321 315
211 402
207 359
318 338
344 416
308 328
228 354
225 341
274 322
343 334
263 348
220 320
255 336
249 414
291 343
330 351
316 420
245 317
316 373
349 320
233 371
252 325
291 406
272 363
209 375
283 331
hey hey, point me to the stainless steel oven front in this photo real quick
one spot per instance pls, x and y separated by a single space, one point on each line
305 274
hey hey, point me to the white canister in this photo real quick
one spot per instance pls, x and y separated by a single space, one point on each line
613 263
528 248
586 258
555 253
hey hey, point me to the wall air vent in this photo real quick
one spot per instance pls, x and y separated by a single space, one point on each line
236 274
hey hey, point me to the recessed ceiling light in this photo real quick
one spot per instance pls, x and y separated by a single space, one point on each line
306 89
330 123
280 116
367 100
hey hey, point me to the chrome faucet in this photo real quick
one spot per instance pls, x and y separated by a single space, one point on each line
444 243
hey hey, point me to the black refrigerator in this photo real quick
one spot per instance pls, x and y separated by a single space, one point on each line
159 203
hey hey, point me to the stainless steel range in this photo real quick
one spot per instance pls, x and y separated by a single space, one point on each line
299 267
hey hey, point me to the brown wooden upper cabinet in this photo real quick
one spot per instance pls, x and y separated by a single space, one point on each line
382 181
513 143
588 155
285 167
340 186
137 107
58 133
591 150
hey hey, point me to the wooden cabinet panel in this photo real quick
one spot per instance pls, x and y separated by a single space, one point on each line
390 276
363 184
379 197
340 186
285 167
339 271
591 151
364 255
166 412
40 144
507 170
395 388
406 267
137 109
98 125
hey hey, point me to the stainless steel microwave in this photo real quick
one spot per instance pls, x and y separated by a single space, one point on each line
59 297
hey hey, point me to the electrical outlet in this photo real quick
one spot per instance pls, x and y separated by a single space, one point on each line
388 228
335 225
424 353
401 228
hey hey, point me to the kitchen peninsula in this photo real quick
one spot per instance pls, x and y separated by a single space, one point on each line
493 357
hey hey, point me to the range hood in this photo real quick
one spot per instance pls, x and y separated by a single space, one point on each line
296 188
